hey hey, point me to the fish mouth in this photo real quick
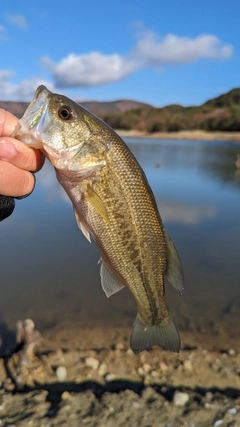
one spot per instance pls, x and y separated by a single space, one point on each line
35 119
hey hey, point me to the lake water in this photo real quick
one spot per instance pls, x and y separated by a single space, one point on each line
50 272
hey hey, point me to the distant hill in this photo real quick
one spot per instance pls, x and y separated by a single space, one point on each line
99 108
217 114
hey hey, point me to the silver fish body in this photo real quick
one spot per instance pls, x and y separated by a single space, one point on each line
114 204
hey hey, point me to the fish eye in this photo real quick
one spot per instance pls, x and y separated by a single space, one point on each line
65 113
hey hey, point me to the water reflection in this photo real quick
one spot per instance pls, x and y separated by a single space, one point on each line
49 271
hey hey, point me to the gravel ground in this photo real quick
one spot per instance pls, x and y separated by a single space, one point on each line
99 386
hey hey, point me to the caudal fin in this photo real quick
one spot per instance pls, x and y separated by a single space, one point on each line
164 335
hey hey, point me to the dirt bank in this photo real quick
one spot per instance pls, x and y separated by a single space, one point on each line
101 383
198 135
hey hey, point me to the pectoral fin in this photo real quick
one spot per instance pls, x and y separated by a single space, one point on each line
82 226
174 272
97 203
110 284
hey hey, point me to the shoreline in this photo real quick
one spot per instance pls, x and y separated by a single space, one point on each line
102 383
185 134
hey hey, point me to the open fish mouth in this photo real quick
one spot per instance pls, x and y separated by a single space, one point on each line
35 120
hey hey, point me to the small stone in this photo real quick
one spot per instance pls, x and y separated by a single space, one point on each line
232 411
110 377
209 395
140 372
180 398
61 373
218 423
231 352
154 374
163 367
136 405
8 385
188 366
66 395
92 362
102 370
147 368
120 346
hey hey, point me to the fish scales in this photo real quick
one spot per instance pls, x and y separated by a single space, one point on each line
115 204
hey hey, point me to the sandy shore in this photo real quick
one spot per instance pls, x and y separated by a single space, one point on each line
198 135
100 383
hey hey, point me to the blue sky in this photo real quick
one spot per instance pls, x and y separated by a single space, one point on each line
157 51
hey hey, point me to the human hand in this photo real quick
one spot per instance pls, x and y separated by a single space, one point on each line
17 161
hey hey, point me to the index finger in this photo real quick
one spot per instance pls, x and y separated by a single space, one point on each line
8 122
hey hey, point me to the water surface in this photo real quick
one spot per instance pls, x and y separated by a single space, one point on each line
50 272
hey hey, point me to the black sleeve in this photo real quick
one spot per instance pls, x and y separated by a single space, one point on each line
7 205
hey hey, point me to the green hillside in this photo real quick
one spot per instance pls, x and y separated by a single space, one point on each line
218 114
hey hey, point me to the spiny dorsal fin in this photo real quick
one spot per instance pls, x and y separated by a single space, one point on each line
174 272
93 198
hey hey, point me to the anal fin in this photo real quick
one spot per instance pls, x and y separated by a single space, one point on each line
109 283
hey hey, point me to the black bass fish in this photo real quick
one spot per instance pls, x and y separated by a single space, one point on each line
114 204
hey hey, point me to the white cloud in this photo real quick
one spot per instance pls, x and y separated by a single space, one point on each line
95 68
22 91
173 50
18 20
91 69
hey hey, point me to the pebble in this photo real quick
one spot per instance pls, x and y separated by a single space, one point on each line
180 398
120 346
218 423
66 395
163 367
102 370
61 373
92 362
188 366
147 368
110 377
141 372
232 411
231 352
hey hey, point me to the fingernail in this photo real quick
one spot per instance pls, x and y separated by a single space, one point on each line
7 150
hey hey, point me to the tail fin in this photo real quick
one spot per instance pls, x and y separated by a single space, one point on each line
165 335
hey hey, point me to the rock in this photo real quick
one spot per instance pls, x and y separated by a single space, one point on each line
231 352
218 423
232 411
110 377
92 362
188 366
119 346
180 398
61 373
163 367
66 395
140 372
147 368
102 370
